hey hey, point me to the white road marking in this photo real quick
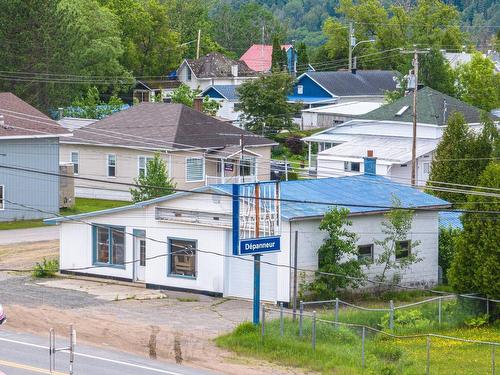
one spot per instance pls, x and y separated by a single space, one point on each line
96 357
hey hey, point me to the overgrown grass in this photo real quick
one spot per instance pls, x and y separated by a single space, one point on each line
338 350
82 205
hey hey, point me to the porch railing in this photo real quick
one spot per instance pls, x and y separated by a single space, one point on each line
211 180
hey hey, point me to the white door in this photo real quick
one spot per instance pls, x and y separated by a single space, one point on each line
139 258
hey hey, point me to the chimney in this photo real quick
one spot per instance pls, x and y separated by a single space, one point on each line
370 163
234 70
60 112
198 103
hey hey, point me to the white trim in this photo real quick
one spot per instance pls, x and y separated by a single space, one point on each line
319 84
107 165
2 201
71 161
34 136
186 168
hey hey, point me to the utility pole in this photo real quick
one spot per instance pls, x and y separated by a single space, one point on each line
352 42
198 45
414 85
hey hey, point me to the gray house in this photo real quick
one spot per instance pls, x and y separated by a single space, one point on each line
29 140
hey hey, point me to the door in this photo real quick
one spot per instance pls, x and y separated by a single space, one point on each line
139 259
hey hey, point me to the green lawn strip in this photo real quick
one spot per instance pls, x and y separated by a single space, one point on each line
82 205
21 224
338 350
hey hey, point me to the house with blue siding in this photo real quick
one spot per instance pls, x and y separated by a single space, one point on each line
29 140
320 88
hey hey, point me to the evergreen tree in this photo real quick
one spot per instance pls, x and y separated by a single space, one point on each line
154 183
302 58
461 156
477 259
338 254
277 56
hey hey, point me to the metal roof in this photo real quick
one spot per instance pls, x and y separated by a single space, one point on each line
229 92
259 56
361 194
348 108
389 150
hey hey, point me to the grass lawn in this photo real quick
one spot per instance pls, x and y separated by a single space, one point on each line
338 350
82 205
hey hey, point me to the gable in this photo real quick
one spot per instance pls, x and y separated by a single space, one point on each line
310 88
213 93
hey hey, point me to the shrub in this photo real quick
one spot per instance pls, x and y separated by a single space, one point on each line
478 321
407 319
47 268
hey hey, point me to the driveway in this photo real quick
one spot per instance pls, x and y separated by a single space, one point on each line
48 233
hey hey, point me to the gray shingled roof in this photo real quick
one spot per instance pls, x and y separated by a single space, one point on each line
23 120
364 82
217 65
433 107
164 126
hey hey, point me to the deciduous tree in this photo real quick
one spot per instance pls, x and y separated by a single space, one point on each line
265 106
185 95
337 255
154 183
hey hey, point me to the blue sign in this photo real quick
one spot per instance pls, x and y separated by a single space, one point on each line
261 245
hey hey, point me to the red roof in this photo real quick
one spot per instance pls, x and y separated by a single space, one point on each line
259 56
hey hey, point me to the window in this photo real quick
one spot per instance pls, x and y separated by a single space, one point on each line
237 107
182 257
247 166
300 90
403 249
75 159
325 146
188 76
365 253
109 245
142 253
143 165
351 166
111 165
195 169
426 167
2 195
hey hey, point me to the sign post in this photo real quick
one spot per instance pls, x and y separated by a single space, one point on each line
256 288
256 227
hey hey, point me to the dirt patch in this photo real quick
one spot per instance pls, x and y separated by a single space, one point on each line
24 255
151 341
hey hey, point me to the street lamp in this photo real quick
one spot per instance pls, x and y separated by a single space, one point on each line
353 44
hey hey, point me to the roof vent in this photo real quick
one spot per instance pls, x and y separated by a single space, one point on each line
402 110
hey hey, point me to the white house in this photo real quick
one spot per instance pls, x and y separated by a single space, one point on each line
229 101
184 241
388 132
213 69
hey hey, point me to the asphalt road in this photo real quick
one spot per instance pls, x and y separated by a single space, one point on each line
22 354
48 233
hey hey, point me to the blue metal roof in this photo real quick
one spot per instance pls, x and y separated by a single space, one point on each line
361 194
229 92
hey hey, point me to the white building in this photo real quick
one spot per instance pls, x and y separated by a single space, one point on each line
229 101
334 114
184 241
388 132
